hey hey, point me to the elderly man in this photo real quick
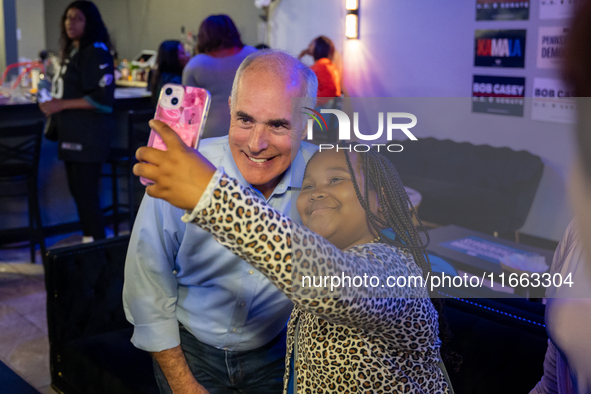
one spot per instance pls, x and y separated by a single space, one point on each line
210 321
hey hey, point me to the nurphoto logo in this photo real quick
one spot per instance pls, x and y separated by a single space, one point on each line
345 129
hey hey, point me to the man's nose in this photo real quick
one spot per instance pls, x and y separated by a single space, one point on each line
258 139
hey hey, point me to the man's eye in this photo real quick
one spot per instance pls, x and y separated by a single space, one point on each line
334 180
277 125
307 187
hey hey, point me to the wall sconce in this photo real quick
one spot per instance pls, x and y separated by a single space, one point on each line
352 19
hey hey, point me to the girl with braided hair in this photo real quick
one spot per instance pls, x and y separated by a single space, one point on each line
370 338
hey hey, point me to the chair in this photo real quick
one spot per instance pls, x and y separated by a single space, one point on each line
90 351
502 342
20 148
121 161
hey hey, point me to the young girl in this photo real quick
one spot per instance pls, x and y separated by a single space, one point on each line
355 339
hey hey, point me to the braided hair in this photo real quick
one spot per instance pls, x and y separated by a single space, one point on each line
397 213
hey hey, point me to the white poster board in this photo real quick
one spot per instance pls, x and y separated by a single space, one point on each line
558 9
551 41
552 101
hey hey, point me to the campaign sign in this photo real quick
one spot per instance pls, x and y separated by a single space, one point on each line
498 95
554 9
499 48
502 10
551 42
552 101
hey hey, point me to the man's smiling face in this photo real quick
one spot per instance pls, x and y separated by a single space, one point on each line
262 138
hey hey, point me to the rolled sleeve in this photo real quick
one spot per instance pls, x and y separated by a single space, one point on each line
105 109
157 337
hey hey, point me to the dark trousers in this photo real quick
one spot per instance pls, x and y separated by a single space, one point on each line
83 181
258 371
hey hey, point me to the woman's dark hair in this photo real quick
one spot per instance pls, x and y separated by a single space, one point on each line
323 47
94 29
576 71
167 61
217 32
381 176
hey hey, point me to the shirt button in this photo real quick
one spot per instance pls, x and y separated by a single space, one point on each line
175 272
251 272
234 329
242 304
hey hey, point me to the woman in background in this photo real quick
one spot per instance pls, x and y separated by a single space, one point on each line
329 80
172 58
567 367
220 52
82 105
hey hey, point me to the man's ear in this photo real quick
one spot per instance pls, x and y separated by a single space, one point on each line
230 103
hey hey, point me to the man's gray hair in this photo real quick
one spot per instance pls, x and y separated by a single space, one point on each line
283 64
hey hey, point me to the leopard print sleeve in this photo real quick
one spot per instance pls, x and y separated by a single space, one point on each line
297 260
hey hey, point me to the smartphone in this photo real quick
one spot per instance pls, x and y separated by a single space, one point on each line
184 109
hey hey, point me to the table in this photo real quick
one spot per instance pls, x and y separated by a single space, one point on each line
440 245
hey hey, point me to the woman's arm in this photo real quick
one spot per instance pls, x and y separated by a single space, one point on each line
57 105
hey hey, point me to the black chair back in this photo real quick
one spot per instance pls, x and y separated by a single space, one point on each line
20 148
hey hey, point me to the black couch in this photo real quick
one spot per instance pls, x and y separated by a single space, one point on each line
474 186
502 341
89 337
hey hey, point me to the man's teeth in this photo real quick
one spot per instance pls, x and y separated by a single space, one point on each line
257 160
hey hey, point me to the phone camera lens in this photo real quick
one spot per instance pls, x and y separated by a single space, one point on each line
174 101
168 91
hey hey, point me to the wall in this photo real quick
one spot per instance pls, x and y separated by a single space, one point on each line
30 20
8 46
293 24
143 24
424 48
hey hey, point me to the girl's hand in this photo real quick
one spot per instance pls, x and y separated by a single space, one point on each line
51 107
180 174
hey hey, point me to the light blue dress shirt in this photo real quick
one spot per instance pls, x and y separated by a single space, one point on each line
177 272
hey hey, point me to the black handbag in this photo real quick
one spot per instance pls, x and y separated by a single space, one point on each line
50 130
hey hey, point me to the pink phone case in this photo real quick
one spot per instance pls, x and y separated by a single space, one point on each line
186 115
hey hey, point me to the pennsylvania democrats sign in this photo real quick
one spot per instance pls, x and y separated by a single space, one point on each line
499 48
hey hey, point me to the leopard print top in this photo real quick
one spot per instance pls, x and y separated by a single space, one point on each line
379 341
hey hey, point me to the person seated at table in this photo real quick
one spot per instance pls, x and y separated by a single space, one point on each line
568 310
220 52
376 339
329 80
171 60
569 259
